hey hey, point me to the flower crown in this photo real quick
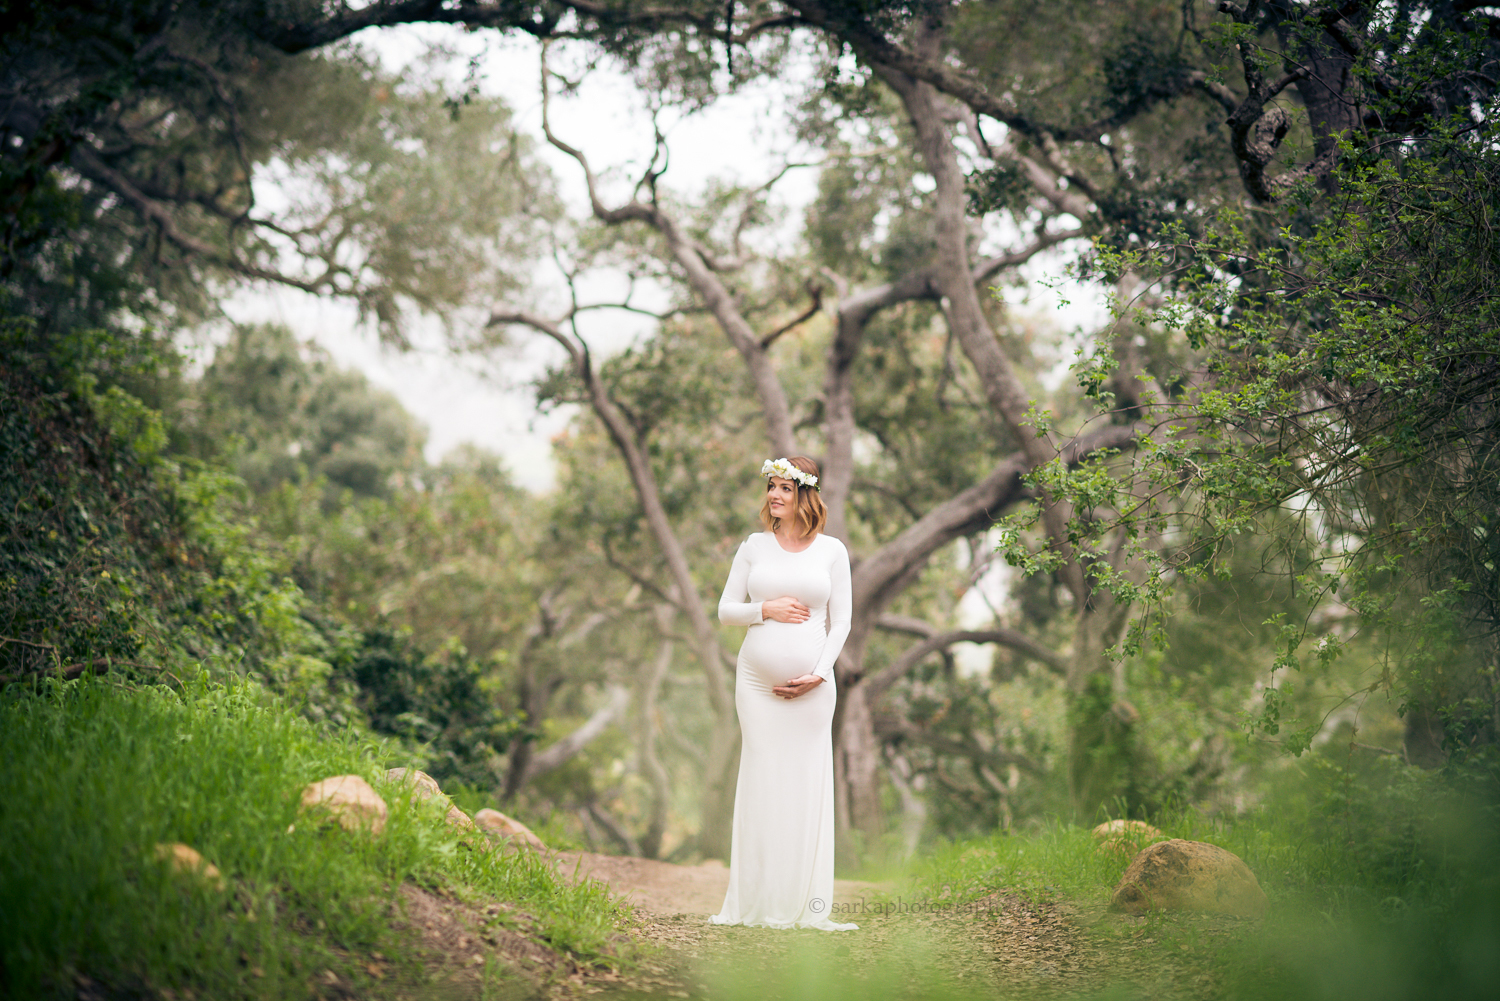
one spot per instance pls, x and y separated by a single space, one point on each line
784 469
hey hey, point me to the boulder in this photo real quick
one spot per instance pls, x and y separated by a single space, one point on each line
349 800
498 825
185 860
1182 875
425 787
1124 837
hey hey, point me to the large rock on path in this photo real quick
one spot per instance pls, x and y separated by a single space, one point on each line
424 787
1182 875
349 800
497 824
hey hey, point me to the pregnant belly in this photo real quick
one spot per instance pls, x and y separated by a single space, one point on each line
775 652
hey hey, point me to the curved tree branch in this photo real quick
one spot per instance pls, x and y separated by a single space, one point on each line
919 651
703 280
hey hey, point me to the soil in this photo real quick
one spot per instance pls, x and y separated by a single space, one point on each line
1003 945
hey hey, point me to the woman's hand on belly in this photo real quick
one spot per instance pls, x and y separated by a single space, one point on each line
785 609
797 686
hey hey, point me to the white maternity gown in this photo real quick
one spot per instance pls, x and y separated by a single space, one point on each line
781 856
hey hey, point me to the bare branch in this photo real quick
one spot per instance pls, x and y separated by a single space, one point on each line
908 624
895 727
556 755
985 269
701 277
630 211
973 509
797 321
91 166
917 652
552 328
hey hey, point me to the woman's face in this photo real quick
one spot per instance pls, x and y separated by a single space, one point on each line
783 497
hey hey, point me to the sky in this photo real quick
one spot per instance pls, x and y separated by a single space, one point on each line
460 400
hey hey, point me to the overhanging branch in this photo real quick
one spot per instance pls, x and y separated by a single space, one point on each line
919 651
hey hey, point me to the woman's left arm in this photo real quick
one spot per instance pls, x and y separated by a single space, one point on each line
840 612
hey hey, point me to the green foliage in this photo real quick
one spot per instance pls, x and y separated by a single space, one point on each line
69 558
119 558
113 553
278 411
438 702
109 773
138 129
1340 408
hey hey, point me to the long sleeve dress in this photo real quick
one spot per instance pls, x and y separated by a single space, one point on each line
781 856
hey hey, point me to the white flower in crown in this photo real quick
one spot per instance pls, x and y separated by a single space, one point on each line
784 469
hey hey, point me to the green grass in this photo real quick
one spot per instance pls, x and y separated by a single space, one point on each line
95 776
1383 887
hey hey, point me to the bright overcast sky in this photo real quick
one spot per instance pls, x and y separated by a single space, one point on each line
741 137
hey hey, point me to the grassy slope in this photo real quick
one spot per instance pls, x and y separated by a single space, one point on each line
95 776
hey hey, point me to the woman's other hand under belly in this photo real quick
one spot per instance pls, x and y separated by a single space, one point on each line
797 686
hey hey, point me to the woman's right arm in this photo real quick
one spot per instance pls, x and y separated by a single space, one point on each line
734 610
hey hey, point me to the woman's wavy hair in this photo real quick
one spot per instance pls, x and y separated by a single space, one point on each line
811 515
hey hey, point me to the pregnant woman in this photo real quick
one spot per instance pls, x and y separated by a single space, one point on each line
796 581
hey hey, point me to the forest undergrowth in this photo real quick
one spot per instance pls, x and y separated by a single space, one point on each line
1381 880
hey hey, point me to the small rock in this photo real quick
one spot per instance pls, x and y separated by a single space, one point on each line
185 860
497 824
1126 828
1124 837
349 800
425 787
1182 875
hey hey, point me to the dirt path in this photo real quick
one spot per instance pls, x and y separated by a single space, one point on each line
662 888
1002 946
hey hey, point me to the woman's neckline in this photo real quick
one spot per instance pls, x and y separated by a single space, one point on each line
793 552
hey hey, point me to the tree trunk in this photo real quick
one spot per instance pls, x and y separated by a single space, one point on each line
1330 91
1103 759
856 764
650 762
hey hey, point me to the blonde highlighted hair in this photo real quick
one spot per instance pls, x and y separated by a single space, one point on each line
811 514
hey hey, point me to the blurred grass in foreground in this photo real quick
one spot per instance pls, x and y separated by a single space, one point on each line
96 776
1384 882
